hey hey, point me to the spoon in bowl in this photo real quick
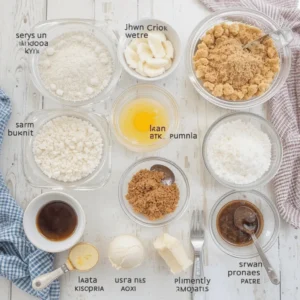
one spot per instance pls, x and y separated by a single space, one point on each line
169 177
283 36
246 220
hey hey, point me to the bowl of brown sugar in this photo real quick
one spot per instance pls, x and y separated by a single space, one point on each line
146 199
228 74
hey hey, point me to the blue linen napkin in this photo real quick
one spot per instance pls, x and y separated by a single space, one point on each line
20 261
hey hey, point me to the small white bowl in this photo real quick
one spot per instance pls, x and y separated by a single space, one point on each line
32 232
171 35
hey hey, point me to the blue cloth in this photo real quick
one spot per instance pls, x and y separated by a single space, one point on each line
20 261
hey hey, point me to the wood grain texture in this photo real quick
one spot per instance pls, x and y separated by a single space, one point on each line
104 214
18 16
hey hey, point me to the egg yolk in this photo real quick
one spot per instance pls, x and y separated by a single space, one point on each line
143 120
139 116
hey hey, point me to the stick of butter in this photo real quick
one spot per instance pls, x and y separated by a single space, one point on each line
173 253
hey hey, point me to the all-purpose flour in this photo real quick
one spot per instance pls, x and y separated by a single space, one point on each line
238 152
76 66
68 148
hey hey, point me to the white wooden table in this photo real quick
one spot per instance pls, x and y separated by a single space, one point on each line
104 214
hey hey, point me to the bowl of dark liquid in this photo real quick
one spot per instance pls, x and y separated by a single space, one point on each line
232 240
54 222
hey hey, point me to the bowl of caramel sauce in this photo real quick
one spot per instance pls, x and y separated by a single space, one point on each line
54 222
232 240
229 231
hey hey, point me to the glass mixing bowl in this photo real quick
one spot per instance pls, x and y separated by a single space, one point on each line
54 29
180 179
271 223
261 124
34 174
145 91
241 15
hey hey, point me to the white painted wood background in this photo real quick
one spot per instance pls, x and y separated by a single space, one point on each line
104 215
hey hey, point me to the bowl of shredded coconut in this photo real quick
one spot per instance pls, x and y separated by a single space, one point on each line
78 64
68 149
226 72
242 151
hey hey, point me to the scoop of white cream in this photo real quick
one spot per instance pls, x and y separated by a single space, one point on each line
173 253
126 252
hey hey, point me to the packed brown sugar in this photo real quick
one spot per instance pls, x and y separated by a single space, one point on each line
150 197
228 70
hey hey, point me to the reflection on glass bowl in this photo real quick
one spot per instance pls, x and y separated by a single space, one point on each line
180 179
240 15
270 230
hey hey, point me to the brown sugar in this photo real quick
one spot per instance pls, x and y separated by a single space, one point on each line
227 70
150 197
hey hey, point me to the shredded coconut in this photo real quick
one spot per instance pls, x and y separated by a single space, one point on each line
239 153
68 148
76 66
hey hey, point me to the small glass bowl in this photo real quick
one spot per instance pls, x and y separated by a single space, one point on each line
101 31
270 230
261 124
34 174
145 91
240 15
180 179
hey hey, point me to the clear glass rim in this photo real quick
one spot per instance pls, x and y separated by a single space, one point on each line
264 179
176 214
102 96
173 128
79 185
275 234
234 105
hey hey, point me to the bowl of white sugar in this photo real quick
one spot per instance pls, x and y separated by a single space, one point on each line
68 149
77 64
242 151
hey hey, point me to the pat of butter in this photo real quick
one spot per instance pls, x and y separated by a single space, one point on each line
83 257
173 253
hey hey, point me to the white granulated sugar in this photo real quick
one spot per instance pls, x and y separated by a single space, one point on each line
238 152
76 66
68 148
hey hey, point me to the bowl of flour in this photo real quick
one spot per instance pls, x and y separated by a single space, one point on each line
69 149
79 64
242 151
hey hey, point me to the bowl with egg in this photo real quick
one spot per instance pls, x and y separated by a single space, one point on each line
149 49
143 117
227 73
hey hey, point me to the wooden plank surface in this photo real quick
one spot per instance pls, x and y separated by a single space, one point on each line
105 217
17 16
